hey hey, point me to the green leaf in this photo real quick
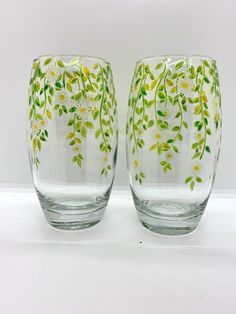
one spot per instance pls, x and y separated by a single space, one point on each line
39 144
208 149
161 94
153 147
160 113
83 132
164 146
150 103
51 91
72 109
169 82
74 159
80 157
153 84
69 87
98 97
163 163
206 79
150 123
60 64
196 155
68 74
206 63
209 131
58 85
179 65
70 122
74 61
175 149
175 129
192 185
199 69
199 179
143 91
188 179
142 175
97 134
70 136
47 61
78 125
185 124
158 66
64 108
178 114
89 124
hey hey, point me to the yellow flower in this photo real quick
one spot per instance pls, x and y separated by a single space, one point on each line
198 136
83 111
197 168
216 103
94 109
169 156
158 136
35 127
105 158
204 97
43 123
184 85
61 98
76 149
51 74
91 99
86 70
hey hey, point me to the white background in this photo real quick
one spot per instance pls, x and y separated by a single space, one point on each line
122 32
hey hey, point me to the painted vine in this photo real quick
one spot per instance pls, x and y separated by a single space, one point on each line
170 87
82 94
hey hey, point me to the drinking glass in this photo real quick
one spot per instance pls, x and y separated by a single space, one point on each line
173 140
72 138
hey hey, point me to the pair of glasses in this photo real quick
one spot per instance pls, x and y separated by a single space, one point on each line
173 135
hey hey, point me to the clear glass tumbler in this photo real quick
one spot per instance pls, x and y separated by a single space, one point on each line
72 138
173 140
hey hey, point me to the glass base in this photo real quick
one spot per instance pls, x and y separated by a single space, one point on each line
169 218
73 214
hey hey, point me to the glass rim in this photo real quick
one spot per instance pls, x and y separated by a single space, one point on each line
61 55
180 56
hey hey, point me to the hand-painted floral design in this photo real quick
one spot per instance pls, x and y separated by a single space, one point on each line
85 95
164 99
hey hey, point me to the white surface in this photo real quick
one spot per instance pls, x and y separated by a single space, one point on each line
117 267
122 32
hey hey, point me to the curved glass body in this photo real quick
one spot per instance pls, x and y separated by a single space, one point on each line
72 138
173 140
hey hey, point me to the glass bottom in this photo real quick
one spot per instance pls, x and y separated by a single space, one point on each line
73 214
169 218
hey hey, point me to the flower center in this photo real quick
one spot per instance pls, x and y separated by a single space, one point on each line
184 85
158 136
136 163
62 97
52 73
196 168
198 136
83 109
